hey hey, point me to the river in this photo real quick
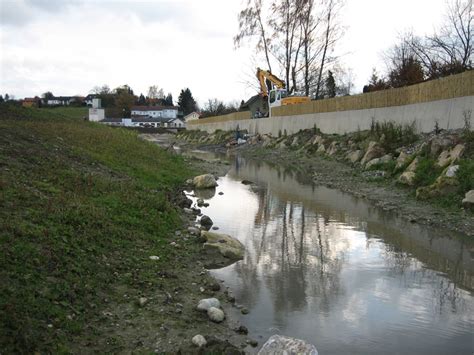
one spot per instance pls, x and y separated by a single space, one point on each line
329 268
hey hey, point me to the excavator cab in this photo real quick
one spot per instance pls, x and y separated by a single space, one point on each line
275 97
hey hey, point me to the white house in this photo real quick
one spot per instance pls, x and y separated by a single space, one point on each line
192 116
155 111
175 123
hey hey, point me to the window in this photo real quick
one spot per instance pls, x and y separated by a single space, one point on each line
272 96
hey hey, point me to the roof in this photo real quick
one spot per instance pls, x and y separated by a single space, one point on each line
111 120
154 108
252 100
189 114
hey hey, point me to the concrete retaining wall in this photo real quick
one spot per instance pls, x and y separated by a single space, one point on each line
448 114
443 100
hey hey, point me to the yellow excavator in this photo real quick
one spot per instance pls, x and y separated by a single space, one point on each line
278 96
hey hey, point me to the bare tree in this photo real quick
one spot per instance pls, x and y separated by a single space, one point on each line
252 24
450 49
285 23
332 33
454 40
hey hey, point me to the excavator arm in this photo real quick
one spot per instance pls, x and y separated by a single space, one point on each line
263 75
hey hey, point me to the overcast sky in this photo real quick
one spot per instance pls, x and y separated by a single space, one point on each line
70 46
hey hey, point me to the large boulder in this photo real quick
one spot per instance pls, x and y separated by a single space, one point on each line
438 144
204 181
468 201
215 314
407 178
402 159
450 156
374 151
283 345
413 165
227 246
441 187
321 149
355 156
207 303
333 149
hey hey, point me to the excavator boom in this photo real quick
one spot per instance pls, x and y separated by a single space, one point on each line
263 75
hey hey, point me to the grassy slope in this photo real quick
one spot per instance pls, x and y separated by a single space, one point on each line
79 202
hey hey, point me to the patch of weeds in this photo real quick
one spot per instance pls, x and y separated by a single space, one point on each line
392 135
426 172
388 167
465 175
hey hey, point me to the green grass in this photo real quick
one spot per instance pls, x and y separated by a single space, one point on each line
426 172
79 203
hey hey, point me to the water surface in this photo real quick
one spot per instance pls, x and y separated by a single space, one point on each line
329 268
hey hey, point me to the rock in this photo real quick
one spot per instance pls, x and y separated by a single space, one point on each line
372 163
321 149
200 202
407 178
199 341
215 314
468 201
317 140
244 310
188 210
194 231
246 182
438 144
214 228
451 156
227 246
333 148
295 142
189 182
441 187
374 151
242 330
221 193
252 342
279 344
154 257
355 156
423 149
204 181
207 303
413 165
452 170
206 221
402 159
142 301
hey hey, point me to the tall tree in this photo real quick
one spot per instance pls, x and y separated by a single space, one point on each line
168 101
330 85
48 95
252 24
141 100
186 102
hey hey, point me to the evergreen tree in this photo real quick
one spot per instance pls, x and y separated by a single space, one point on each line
1 98
330 85
169 100
141 100
186 102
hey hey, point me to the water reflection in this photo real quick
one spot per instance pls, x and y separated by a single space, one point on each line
327 267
